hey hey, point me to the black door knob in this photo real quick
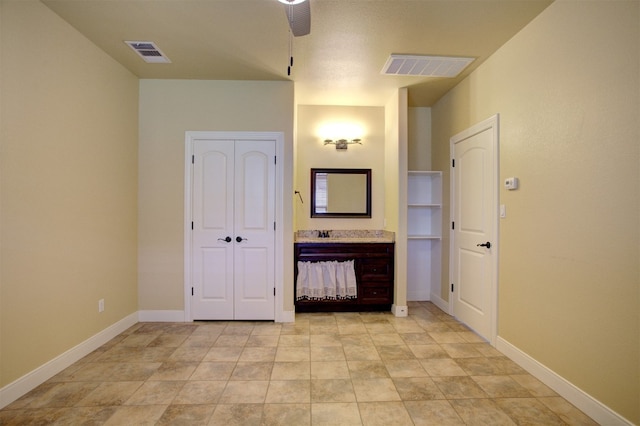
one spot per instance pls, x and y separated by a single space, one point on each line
228 239
238 239
487 245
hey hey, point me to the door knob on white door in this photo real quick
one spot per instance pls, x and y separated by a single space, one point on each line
227 239
487 245
239 239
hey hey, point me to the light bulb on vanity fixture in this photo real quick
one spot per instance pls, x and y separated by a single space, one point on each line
292 1
342 144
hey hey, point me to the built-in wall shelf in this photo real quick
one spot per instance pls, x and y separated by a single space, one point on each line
424 233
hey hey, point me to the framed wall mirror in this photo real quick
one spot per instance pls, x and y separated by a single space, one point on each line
342 193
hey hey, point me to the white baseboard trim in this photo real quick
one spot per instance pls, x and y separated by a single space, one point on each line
29 381
161 316
585 402
440 303
399 310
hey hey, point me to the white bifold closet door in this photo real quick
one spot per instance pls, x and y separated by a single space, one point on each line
233 209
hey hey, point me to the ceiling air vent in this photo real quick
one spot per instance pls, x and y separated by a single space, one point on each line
148 51
426 66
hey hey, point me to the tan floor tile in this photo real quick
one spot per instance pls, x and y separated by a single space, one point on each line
292 354
405 368
237 415
489 366
155 393
267 329
325 340
294 340
116 371
356 339
252 392
395 352
213 371
186 354
368 370
380 328
192 415
258 354
436 413
169 340
263 340
442 367
199 341
223 354
567 411
428 351
136 415
231 340
252 371
74 416
368 390
383 413
383 339
200 392
237 329
418 338
528 411
291 371
323 329
173 370
51 394
286 414
332 391
361 353
533 385
329 370
352 329
501 387
417 389
447 337
110 393
327 353
289 391
461 350
481 412
333 414
459 387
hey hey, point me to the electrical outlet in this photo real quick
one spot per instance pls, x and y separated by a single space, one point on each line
101 305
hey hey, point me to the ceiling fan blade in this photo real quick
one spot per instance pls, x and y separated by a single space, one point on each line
299 17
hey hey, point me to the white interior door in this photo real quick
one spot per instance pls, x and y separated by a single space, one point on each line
233 236
254 230
475 213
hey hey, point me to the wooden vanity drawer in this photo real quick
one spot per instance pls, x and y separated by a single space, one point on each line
376 268
376 294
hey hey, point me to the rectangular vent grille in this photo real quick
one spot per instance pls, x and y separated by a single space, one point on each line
148 51
426 66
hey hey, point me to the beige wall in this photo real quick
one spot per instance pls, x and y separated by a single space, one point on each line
395 157
312 153
169 108
567 90
68 197
419 138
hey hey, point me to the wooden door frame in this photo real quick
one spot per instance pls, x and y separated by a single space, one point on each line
278 137
492 123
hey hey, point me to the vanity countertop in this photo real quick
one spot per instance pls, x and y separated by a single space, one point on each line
344 236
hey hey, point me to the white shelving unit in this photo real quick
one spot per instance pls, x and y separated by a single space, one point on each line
424 233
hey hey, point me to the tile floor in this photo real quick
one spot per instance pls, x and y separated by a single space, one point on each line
324 369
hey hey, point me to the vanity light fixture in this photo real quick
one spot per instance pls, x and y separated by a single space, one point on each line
291 2
342 144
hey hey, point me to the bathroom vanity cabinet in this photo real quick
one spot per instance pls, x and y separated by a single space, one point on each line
373 264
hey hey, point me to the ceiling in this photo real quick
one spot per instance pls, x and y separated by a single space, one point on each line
339 63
